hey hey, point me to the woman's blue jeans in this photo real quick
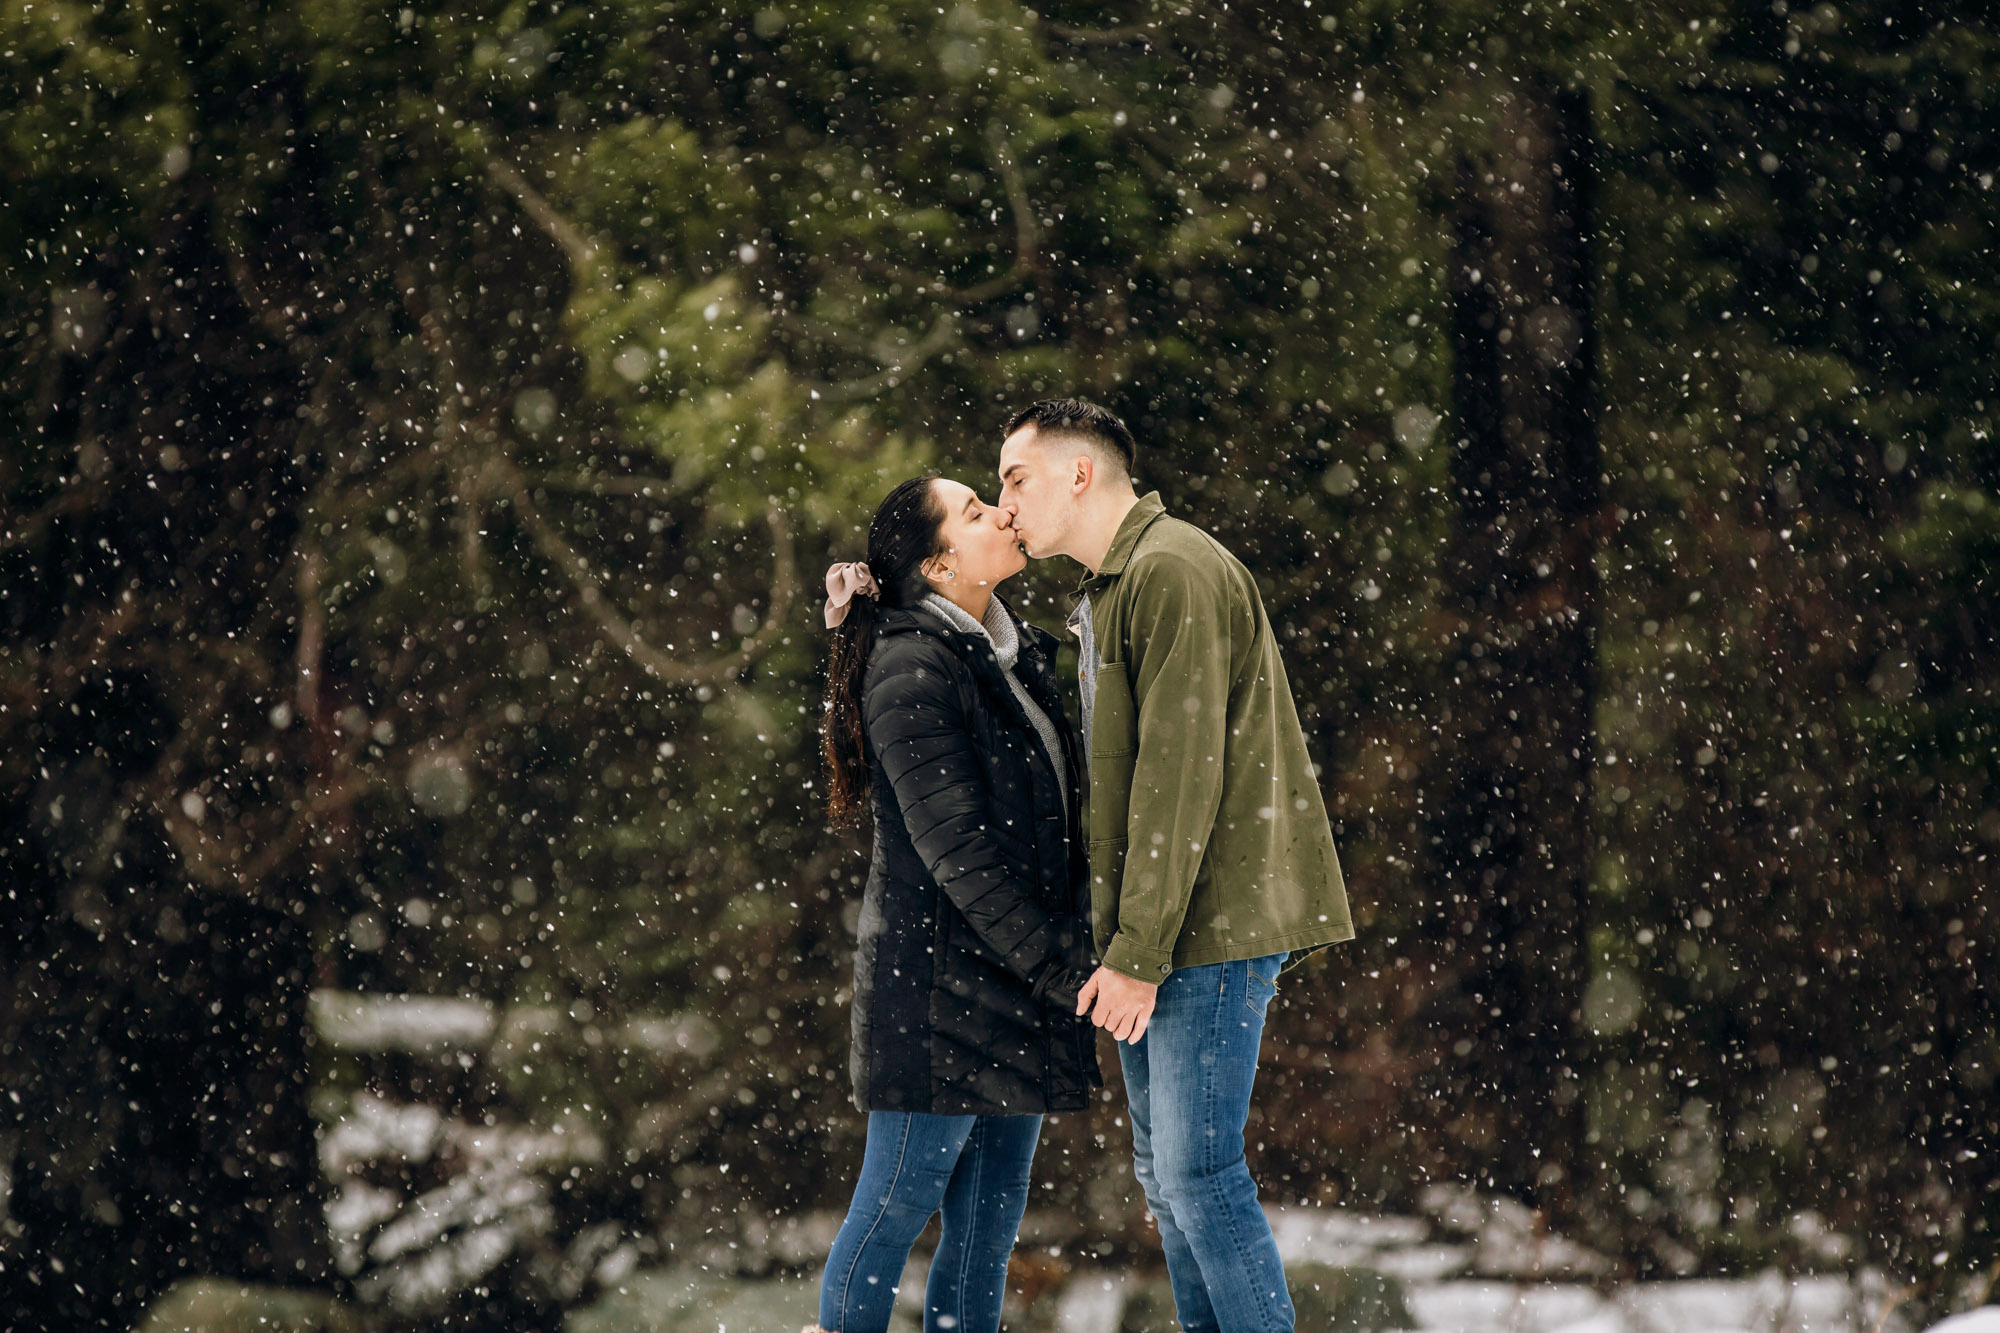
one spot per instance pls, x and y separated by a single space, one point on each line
974 1169
1188 1080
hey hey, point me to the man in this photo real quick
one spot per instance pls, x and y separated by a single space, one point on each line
1211 858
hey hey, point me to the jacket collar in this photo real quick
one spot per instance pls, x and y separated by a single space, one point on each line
1142 515
922 620
1036 663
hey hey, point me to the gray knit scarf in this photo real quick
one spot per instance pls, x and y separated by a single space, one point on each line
1006 639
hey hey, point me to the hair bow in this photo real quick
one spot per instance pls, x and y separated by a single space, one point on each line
842 583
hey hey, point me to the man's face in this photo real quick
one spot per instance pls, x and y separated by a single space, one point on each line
1036 487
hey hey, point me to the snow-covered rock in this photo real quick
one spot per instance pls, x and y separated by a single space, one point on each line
686 1299
1510 1240
1607 1321
1092 1304
1480 1307
1761 1304
422 1024
1972 1321
1306 1233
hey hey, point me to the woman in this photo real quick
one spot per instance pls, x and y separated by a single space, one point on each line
943 717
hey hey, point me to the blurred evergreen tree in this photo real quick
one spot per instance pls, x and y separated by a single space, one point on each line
426 428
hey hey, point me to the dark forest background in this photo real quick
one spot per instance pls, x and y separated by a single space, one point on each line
425 427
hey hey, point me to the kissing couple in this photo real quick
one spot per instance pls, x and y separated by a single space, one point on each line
1151 878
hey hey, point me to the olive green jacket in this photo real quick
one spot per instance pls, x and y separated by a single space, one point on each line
1209 841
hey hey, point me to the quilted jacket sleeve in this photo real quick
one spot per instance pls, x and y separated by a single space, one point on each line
918 732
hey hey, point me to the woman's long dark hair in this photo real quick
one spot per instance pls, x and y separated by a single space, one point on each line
905 532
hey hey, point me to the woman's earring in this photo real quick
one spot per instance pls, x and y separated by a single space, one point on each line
951 573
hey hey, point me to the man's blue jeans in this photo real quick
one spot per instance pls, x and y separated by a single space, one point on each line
1189 1080
974 1169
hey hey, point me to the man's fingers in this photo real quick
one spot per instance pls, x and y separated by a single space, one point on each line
1139 1028
1086 995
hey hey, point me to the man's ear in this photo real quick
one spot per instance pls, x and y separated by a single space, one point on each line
1083 470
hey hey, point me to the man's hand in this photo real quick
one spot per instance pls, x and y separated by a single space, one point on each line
1124 1004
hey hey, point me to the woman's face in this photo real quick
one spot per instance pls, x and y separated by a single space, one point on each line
981 547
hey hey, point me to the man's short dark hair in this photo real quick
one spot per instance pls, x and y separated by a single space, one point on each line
1082 420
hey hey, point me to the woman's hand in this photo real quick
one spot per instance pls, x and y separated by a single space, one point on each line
1124 1005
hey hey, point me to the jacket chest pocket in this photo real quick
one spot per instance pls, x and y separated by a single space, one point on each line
1114 744
1114 725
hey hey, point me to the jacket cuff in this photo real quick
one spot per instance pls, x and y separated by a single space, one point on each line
1060 989
1062 979
1137 961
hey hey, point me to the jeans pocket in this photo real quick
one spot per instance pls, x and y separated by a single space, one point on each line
1258 993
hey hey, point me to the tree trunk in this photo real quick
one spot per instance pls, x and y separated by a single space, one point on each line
163 1128
156 1123
1513 836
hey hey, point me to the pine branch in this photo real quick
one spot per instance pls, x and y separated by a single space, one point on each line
620 630
581 252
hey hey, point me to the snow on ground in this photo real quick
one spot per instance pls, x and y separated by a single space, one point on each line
1470 1264
693 1300
1765 1304
1442 1287
1479 1264
1975 1321
1092 1302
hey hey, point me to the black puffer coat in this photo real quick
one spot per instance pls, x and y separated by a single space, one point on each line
974 927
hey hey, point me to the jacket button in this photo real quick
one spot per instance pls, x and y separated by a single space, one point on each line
1166 968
